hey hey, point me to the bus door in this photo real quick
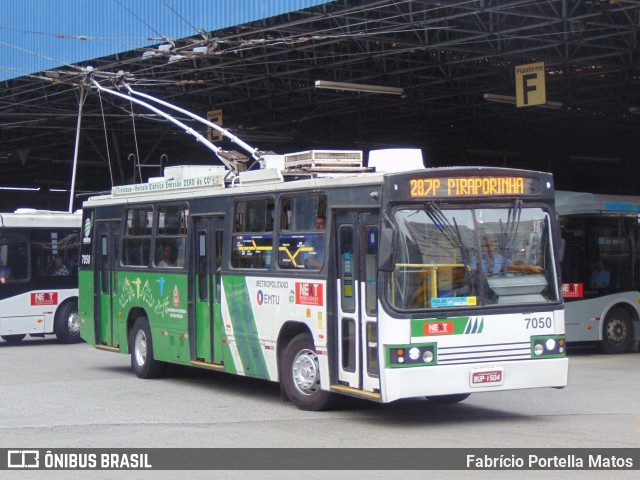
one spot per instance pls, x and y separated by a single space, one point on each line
357 245
205 327
107 234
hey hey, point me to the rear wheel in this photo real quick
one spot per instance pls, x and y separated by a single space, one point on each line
447 399
301 375
617 331
141 348
13 338
66 324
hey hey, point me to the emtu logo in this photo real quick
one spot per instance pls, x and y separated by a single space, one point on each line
87 227
23 459
86 230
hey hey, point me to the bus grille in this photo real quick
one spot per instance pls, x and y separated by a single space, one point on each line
503 352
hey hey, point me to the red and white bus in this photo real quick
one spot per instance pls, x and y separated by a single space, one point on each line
39 274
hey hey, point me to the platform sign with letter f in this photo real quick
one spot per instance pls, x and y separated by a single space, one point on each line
530 86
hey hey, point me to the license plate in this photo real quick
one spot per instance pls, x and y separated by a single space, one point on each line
486 377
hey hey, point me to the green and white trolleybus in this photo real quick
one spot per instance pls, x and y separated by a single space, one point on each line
327 276
425 283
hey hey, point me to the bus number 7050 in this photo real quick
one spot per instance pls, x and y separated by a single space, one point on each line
543 322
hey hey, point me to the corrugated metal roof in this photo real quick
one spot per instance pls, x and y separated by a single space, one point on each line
37 35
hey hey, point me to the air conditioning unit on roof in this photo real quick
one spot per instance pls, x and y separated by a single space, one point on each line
180 172
324 159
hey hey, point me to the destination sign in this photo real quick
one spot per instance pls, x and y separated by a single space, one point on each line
210 181
472 186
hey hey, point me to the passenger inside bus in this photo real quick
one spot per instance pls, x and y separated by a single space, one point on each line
168 256
5 271
600 277
315 259
59 269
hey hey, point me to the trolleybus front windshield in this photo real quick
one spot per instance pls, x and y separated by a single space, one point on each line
468 257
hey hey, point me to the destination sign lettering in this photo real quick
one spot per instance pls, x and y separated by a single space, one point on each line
486 186
211 181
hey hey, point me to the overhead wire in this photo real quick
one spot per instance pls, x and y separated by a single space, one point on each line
240 45
321 34
137 17
178 15
303 37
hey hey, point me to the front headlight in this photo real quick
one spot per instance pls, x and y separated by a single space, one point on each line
417 355
548 346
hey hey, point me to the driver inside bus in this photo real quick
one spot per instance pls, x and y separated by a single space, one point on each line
493 263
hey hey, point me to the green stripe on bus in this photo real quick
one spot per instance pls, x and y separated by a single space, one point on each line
229 365
244 326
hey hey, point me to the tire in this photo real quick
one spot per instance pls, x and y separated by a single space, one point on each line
13 338
617 331
301 375
66 324
448 399
141 348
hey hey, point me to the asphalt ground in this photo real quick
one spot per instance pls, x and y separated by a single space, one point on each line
74 396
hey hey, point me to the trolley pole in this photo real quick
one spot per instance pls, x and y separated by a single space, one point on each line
83 96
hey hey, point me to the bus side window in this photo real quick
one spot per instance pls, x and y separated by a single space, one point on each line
253 239
13 259
302 240
170 239
137 236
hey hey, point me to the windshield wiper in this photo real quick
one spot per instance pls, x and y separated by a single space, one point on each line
509 231
450 232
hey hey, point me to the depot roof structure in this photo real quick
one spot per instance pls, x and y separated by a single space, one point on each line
298 75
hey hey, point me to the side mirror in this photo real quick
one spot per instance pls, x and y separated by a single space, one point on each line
386 251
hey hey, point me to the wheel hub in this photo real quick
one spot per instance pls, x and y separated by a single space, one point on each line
306 375
73 323
140 348
616 331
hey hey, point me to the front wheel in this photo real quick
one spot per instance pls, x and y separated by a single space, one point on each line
66 324
448 399
617 331
141 348
301 375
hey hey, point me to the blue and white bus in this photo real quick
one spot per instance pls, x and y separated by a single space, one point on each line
601 268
